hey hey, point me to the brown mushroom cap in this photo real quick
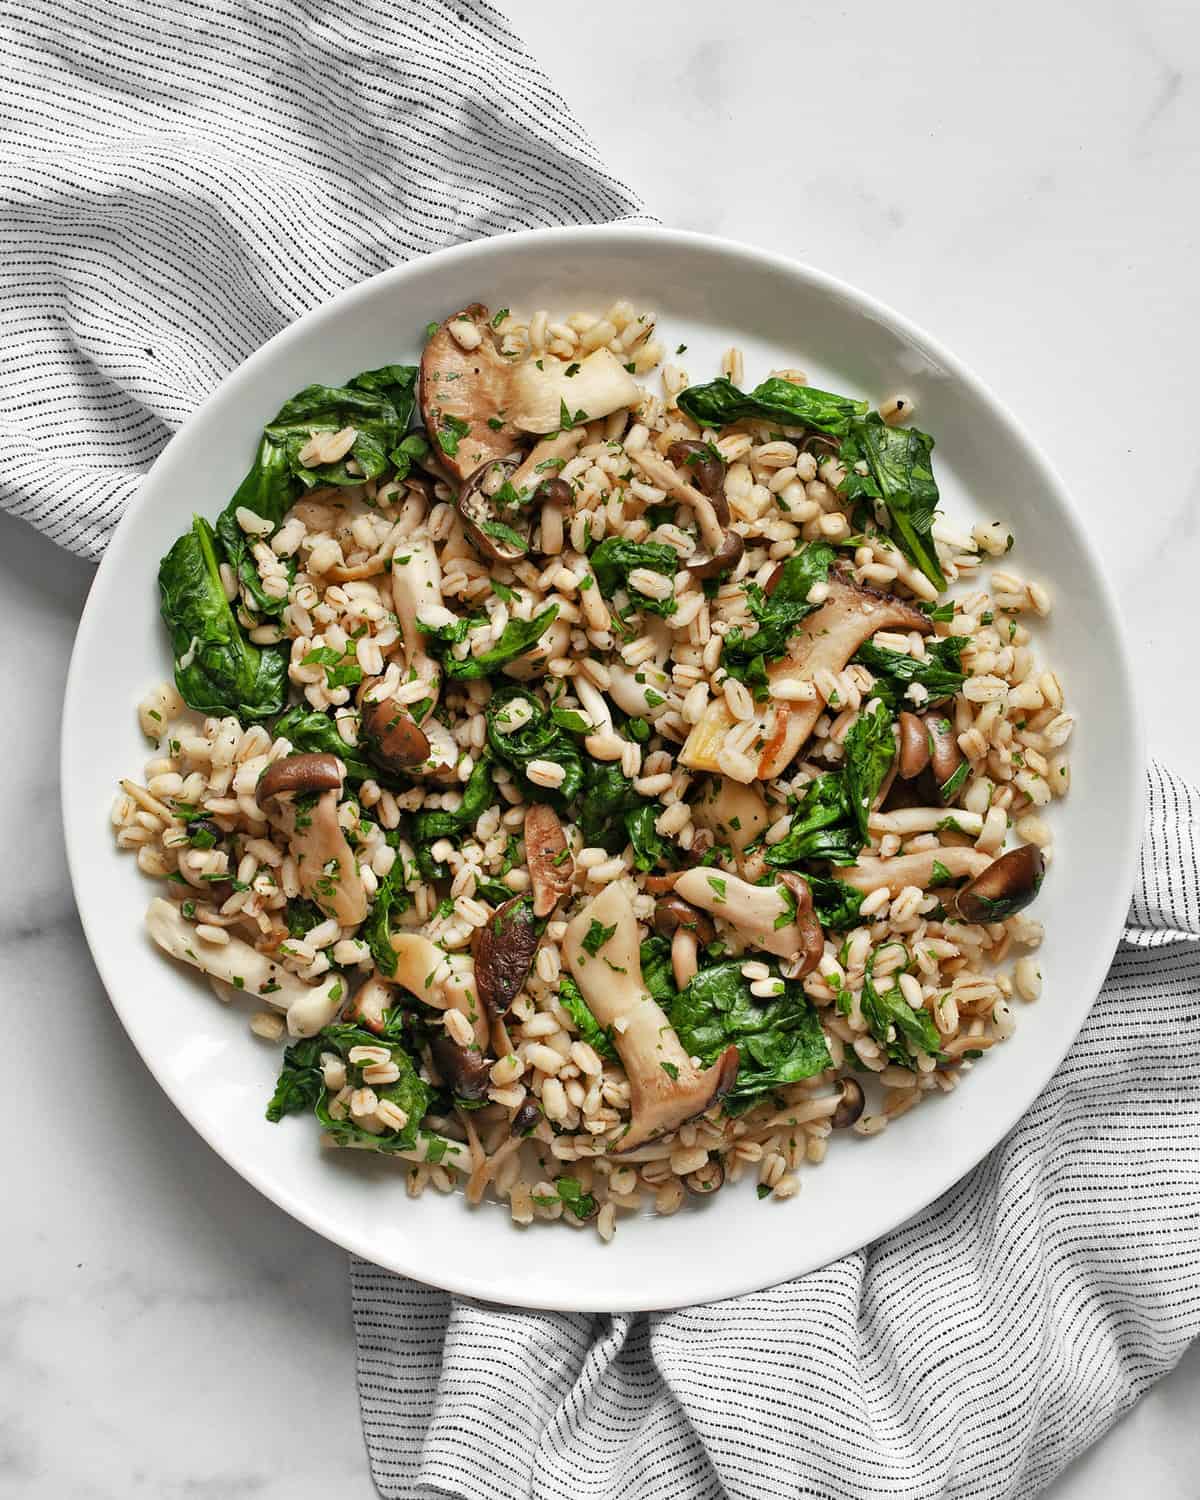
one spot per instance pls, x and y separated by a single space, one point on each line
482 519
555 492
673 912
811 935
726 557
503 949
467 385
391 737
914 747
464 1070
850 1105
526 1118
1007 886
548 856
299 773
703 463
945 757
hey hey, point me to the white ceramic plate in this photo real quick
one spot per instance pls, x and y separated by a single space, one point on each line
709 294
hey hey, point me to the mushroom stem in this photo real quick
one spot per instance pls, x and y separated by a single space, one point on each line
684 963
871 874
755 912
443 980
658 471
666 1088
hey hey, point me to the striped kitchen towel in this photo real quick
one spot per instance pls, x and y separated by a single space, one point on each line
974 1352
179 181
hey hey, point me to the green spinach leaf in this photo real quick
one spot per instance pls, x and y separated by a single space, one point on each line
720 402
870 748
615 558
517 637
597 1037
824 826
217 670
940 674
780 1040
900 473
312 731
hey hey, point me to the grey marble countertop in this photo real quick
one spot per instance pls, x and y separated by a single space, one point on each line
1020 180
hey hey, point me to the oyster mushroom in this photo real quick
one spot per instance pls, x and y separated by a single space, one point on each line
548 858
736 813
688 928
871 874
503 950
308 1006
812 938
390 736
444 980
467 382
850 1105
662 473
666 1088
464 1070
500 533
1006 887
325 862
827 639
914 747
767 917
369 1005
547 457
706 470
945 757
299 773
542 391
416 597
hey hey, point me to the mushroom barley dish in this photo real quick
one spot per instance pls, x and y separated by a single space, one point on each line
600 785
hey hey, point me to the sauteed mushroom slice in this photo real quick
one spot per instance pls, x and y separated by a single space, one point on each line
548 857
466 386
1007 886
946 760
299 773
500 531
871 874
666 1087
914 747
503 949
764 915
391 737
812 939
542 391
464 1070
705 465
688 928
850 1105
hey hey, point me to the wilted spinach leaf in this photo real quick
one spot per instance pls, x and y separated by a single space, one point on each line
780 1040
217 670
517 637
823 826
895 1025
615 558
869 748
777 400
940 674
835 903
657 970
539 738
778 616
900 464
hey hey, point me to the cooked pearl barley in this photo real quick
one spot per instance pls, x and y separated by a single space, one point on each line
1028 979
545 773
458 1027
267 1024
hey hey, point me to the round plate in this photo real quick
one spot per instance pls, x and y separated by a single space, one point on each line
709 294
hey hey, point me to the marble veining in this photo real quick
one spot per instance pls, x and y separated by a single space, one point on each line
166 1332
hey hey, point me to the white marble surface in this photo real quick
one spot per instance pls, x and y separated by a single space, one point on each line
1020 179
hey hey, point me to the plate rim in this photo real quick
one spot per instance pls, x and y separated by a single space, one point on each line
627 236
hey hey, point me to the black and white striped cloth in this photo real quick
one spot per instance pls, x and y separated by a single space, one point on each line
178 182
974 1352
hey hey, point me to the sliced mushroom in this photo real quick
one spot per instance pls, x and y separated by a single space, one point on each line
443 980
871 874
299 773
705 466
308 1006
827 639
503 949
688 928
723 560
526 1119
464 1070
325 861
762 915
542 390
390 736
812 939
1006 887
850 1105
500 534
547 457
736 814
416 594
465 379
666 1088
369 1006
708 512
548 858
945 757
914 747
